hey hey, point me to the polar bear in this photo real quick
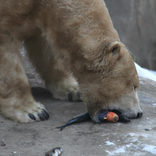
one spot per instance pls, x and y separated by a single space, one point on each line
74 47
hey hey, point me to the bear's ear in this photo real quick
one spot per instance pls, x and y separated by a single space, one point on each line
114 48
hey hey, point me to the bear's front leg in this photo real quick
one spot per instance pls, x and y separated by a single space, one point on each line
58 80
16 100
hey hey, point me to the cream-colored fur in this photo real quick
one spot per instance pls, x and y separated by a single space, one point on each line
69 43
58 80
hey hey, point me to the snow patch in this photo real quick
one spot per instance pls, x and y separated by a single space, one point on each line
150 148
129 145
122 149
109 143
145 135
132 134
144 73
110 153
153 72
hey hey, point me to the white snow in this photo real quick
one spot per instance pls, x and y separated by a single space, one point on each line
110 153
150 148
136 135
129 145
109 143
132 134
144 73
153 72
121 149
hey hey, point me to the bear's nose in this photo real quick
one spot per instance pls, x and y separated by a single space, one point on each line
139 115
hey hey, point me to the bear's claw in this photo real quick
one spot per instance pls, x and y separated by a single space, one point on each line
31 116
46 113
43 115
70 98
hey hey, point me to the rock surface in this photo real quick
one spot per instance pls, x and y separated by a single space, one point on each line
135 22
83 139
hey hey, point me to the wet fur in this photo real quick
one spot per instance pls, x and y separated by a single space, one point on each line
69 43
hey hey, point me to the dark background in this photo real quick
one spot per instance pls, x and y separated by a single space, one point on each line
135 21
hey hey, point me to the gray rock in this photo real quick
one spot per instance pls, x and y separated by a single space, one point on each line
135 22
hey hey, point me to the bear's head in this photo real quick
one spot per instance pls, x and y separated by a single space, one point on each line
102 65
110 81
